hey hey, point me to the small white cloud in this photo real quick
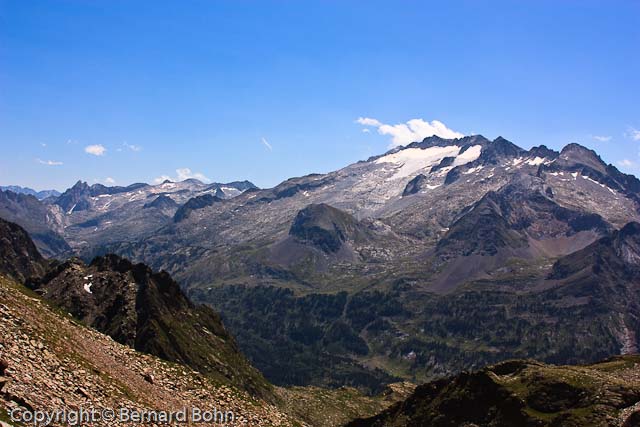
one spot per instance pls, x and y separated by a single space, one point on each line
131 147
266 144
181 175
625 163
601 138
633 134
109 180
96 150
43 145
411 131
365 130
366 121
49 162
185 173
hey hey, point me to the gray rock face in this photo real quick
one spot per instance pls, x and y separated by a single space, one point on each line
325 227
417 183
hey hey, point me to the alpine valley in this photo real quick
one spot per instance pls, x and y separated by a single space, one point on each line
418 265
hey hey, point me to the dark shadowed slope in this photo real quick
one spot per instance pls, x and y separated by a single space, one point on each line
19 257
524 394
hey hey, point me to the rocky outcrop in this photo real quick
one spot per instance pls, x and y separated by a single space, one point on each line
19 256
415 185
522 393
53 362
326 227
148 312
195 203
161 202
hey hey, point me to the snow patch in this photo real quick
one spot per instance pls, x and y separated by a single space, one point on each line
87 287
535 162
470 155
433 187
472 170
411 160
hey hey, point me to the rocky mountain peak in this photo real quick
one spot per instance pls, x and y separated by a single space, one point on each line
500 148
544 152
436 141
80 186
575 155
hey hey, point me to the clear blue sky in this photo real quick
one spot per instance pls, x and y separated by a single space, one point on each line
167 85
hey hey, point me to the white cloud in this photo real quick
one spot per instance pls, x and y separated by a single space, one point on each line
44 145
96 150
185 173
266 144
365 130
131 147
626 163
109 180
49 162
601 138
368 121
411 131
633 134
181 175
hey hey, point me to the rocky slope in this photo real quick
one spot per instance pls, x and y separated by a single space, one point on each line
51 362
524 393
148 312
133 305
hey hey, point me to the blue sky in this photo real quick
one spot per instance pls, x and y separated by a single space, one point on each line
181 88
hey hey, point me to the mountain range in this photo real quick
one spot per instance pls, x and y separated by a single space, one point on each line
430 259
40 195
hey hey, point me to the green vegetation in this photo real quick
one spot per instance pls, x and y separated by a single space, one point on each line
373 337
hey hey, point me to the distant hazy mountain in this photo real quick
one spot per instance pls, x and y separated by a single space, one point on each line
40 195
45 225
119 211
